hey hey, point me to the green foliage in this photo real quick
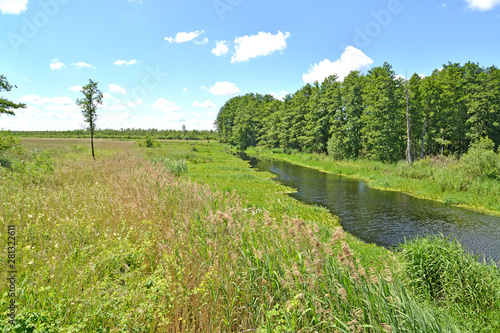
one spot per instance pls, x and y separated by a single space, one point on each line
149 142
8 141
481 161
7 106
89 103
122 245
177 167
365 115
438 270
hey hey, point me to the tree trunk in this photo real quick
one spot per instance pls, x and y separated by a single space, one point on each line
409 158
92 140
423 138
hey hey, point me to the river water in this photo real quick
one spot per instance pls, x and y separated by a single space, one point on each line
386 218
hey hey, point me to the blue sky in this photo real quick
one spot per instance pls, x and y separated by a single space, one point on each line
164 64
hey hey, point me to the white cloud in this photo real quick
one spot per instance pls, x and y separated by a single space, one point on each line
224 89
352 59
76 88
34 99
13 6
185 89
208 104
136 1
135 104
221 48
203 41
126 62
80 65
183 37
108 96
118 107
45 113
55 64
172 112
262 44
166 106
482 5
117 89
280 95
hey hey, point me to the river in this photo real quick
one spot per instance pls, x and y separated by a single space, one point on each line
386 218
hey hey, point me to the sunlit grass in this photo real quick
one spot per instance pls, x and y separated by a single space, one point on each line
124 245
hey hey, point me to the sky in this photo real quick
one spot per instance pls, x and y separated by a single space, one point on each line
164 64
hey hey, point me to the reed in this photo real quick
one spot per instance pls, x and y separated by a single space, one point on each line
124 245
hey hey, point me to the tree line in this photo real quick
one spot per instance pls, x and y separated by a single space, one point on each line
378 116
124 133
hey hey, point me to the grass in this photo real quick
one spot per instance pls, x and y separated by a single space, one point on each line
125 245
437 178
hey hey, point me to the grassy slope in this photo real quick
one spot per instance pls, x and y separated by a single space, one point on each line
123 245
434 179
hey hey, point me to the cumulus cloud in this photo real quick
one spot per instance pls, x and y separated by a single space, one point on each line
46 113
224 89
221 48
14 7
76 88
166 106
182 37
114 88
126 62
55 64
80 65
351 60
208 104
482 5
280 95
135 104
262 44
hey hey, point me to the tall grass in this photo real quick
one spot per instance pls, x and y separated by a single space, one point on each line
123 245
441 272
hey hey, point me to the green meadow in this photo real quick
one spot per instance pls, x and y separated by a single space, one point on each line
186 237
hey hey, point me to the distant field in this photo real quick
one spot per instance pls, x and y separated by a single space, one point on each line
64 142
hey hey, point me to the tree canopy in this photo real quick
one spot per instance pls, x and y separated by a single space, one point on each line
7 106
368 115
92 99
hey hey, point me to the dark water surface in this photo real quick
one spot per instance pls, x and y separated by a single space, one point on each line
386 218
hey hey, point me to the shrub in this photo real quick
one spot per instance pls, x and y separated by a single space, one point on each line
481 161
149 142
7 141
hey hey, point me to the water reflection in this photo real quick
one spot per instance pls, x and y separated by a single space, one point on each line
386 218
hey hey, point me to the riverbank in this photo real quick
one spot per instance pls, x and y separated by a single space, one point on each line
187 237
436 178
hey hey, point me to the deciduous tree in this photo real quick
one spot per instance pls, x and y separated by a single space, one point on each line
89 103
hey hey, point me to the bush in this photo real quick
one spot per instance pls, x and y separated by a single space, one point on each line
481 161
149 142
7 141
